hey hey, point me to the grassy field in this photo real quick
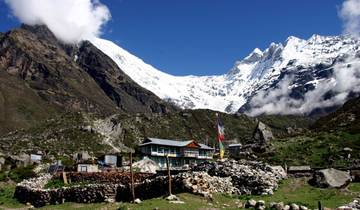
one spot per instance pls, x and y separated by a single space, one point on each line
317 150
290 191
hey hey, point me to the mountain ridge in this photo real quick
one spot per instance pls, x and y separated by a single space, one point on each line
42 77
260 70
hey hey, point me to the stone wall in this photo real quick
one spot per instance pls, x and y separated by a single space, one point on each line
32 191
232 177
105 177
80 194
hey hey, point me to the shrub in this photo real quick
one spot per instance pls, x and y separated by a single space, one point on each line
21 173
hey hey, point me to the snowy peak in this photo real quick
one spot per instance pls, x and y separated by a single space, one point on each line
255 56
227 93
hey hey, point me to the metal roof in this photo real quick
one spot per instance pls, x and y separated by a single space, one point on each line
204 146
173 143
235 145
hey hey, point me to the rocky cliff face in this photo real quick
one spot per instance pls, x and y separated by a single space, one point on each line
346 118
41 76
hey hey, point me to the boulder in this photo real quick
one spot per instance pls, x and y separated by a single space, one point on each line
303 208
260 205
294 206
331 178
355 175
263 133
277 206
250 203
172 198
286 207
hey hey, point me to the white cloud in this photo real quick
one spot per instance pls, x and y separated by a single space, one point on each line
350 14
345 79
70 20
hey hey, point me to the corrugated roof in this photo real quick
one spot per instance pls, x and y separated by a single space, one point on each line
173 143
235 145
204 146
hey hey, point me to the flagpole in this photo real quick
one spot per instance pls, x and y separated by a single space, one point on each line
220 135
217 131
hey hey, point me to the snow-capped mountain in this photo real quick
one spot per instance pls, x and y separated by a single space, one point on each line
309 60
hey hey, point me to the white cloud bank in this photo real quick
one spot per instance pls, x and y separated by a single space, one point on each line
345 79
350 14
70 20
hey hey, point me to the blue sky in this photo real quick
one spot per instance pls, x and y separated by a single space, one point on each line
205 37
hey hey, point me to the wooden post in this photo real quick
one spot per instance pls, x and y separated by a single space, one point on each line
132 178
319 205
64 177
169 174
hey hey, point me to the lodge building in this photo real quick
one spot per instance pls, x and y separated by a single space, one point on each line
180 153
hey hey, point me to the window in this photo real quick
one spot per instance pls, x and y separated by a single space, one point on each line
83 169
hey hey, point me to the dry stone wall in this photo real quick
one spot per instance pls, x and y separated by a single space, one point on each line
231 177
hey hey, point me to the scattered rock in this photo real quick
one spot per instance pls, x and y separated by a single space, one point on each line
260 205
250 203
286 207
240 205
110 200
331 178
303 208
172 198
294 206
351 206
177 202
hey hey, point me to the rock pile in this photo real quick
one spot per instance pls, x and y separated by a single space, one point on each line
249 177
37 182
202 183
146 165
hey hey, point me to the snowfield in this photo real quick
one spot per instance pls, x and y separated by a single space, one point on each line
228 92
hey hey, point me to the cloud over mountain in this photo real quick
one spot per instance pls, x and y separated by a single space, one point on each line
350 14
71 21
